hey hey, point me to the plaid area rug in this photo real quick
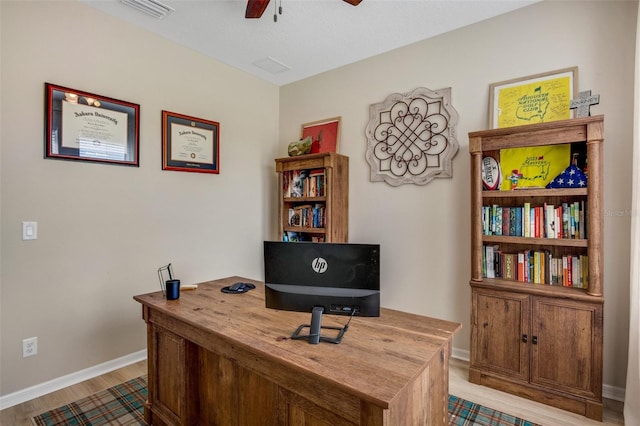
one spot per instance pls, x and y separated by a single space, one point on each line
463 413
123 405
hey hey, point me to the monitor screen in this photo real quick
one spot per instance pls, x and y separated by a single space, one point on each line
342 278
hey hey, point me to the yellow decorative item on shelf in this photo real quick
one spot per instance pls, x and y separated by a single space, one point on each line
303 146
534 166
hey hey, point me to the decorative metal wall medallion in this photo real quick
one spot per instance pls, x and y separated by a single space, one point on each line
411 137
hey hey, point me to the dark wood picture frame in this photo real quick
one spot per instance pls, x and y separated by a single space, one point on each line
84 126
190 144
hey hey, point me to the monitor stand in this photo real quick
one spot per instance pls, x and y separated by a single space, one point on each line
315 336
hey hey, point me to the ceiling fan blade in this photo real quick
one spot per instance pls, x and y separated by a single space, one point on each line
255 8
353 2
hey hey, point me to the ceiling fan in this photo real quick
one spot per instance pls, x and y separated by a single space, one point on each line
255 8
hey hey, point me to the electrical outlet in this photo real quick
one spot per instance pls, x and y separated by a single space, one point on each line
29 347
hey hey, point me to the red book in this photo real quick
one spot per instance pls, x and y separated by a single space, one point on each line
506 220
521 266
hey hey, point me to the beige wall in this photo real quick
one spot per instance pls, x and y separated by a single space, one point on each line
424 230
103 230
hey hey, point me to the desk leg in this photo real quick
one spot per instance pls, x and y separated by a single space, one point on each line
425 400
439 387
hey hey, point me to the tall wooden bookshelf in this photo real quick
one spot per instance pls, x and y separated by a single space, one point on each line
540 341
313 197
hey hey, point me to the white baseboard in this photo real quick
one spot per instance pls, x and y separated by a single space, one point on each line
608 391
613 392
460 354
36 391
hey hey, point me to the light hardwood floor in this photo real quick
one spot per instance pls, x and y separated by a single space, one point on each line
20 415
524 408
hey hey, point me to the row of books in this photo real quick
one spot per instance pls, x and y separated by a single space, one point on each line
291 236
307 216
546 221
303 183
535 266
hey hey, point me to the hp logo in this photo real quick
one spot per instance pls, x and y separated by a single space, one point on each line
319 265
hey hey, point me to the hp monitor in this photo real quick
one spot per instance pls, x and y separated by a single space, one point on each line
322 278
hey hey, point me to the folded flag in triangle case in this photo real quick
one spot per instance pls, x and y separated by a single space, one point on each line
571 177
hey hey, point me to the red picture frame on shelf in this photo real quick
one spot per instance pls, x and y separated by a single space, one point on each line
325 134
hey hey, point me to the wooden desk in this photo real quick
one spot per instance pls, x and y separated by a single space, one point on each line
225 359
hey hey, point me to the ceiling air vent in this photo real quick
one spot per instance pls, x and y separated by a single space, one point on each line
150 7
271 65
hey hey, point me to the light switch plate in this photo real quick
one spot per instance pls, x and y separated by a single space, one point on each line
29 231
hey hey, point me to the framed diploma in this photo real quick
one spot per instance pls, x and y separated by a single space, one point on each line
190 144
88 127
537 98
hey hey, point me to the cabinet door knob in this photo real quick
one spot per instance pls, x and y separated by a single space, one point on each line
535 340
524 338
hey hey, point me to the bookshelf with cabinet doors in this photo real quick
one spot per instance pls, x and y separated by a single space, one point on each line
539 338
313 197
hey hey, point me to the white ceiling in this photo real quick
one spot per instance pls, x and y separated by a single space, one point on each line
311 36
